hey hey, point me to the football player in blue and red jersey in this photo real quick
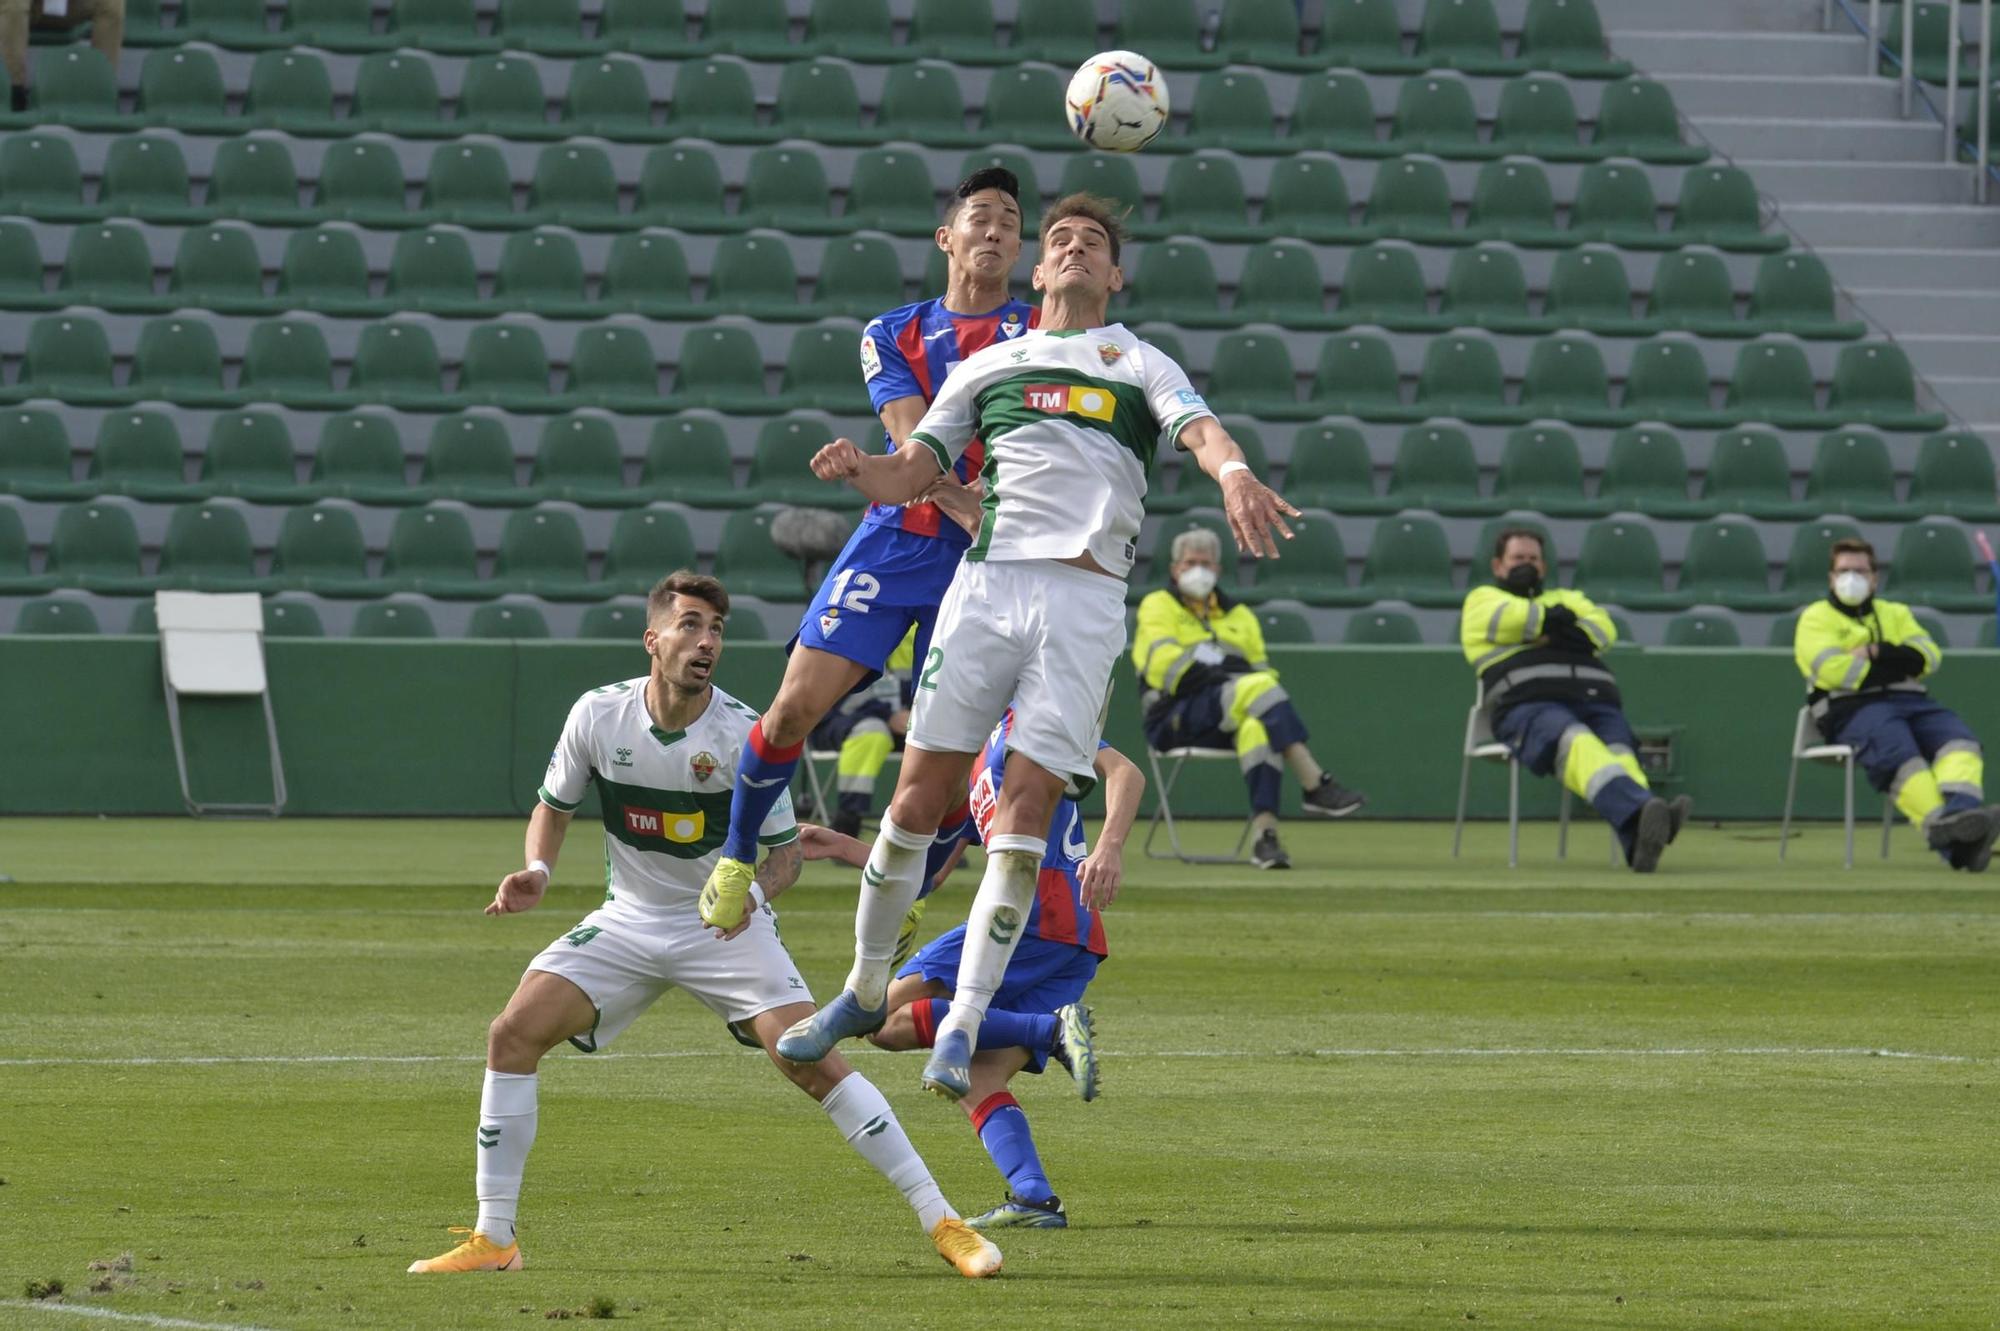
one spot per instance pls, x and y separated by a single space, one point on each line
1038 1011
897 565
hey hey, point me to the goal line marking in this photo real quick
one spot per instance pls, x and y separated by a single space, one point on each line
140 1319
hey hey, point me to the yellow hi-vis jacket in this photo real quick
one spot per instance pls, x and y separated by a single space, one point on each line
1824 643
1499 632
1174 649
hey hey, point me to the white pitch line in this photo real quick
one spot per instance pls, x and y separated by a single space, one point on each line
1469 1051
142 1319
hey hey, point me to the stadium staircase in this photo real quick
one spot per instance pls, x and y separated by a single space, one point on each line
473 316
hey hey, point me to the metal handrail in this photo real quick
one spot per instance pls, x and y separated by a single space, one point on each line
1913 93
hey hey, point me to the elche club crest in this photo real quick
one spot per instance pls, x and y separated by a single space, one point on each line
1109 354
702 765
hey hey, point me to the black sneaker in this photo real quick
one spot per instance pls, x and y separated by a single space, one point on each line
20 101
1266 853
1974 855
846 822
1650 837
1330 799
1965 828
1679 807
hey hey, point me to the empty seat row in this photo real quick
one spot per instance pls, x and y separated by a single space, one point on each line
398 92
1714 628
385 618
1565 35
889 189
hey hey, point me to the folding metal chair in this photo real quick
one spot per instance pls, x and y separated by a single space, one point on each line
1163 812
1479 743
1803 750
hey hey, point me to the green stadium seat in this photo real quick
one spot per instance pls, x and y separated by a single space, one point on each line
284 619
1725 564
217 268
1284 627
1232 110
859 277
291 91
207 548
180 88
1366 34
1784 629
469 183
1773 382
1330 468
1412 199
1615 203
250 454
713 99
1851 473
613 366
1409 560
681 187
1463 34
647 271
1646 471
472 458
1512 201
721 367
362 181
1934 565
1260 32
1718 205
787 188
139 453
1485 286
962 32
389 619
506 365
1168 31
1668 380
609 97
819 372
1953 474
1308 198
547 27
579 459
1252 373
1311 567
1873 382
853 30
1159 555
1203 195
541 551
1542 469
66 357
753 275
1058 31
780 469
751 565
1381 628
35 454
1174 282
1461 377
1108 177
610 621
542 272
921 101
1748 473
109 265
145 620
398 363
40 176
1334 113
1692 291
503 95
1567 36
817 100
575 185
287 360
178 359
338 25
21 269
1566 379
1588 289
1357 376
656 28
146 176
890 190
1383 284
1280 283
430 550
254 179
1793 293
1696 629
1806 564
1434 114
53 616
1620 564
397 92
506 622
237 24
325 269
437 25
320 549
76 86
95 546
1434 468
1637 119
434 270
360 455
755 28
1537 118
646 545
748 625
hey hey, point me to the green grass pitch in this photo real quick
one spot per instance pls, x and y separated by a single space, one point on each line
1387 1089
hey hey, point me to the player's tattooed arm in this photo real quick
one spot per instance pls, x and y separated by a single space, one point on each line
823 843
778 872
522 889
1254 509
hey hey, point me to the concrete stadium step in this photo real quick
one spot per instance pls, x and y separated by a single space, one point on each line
1952 355
1817 53
1973 399
1972 311
1914 269
1911 183
1893 226
1621 16
1700 95
1774 140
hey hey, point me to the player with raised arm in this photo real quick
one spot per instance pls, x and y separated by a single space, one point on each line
1038 1011
895 568
1071 415
662 752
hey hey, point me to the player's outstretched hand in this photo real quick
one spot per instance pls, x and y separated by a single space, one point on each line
1099 876
823 843
838 461
520 890
1254 509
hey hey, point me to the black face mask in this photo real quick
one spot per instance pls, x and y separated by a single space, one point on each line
1523 580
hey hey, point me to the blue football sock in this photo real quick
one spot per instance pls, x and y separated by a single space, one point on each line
763 774
1003 1130
949 833
1036 1031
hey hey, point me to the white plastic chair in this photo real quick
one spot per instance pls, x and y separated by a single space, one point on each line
212 645
1163 810
1805 750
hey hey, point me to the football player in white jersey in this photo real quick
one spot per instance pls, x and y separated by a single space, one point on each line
1071 414
661 751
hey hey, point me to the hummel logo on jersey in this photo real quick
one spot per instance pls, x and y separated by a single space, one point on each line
1065 400
624 758
1017 356
680 828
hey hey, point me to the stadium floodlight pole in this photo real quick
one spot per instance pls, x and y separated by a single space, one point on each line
1951 90
1985 111
1906 82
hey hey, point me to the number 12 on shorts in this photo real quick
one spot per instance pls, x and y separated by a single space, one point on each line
853 591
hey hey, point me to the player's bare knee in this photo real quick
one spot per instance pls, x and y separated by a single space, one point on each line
511 1046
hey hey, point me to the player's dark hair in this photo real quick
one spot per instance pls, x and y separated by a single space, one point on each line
1104 212
985 178
1518 534
1849 545
685 582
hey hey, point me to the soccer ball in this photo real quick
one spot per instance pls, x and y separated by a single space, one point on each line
1117 101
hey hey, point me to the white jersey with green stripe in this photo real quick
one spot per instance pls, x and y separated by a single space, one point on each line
665 796
1070 419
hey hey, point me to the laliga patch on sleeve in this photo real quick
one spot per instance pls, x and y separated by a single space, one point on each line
871 359
1187 397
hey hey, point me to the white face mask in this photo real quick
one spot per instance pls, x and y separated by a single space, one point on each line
1852 588
1197 581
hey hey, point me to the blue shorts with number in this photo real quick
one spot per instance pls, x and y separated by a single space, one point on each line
1041 976
884 581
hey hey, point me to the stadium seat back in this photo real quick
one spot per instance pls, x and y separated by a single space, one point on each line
325 264
818 96
1381 628
646 545
1486 283
541 544
1806 563
785 188
249 447
359 447
52 615
284 619
34 446
1409 559
470 451
396 358
430 541
754 270
1852 465
216 264
94 539
107 264
918 99
1540 463
1383 282
433 267
1701 630
1692 288
1356 373
323 541
1644 463
580 452
287 356
1565 375
177 356
539 266
1792 289
396 87
1307 193
1724 560
609 95
1589 283
1329 463
1747 467
713 96
1667 375
644 267
505 360
1433 463
1114 177
1772 379
501 621
1410 191
1620 558
138 446
253 175
1233 107
1280 277
207 541
389 619
501 94
614 363
1461 372
145 173
1952 470
1933 561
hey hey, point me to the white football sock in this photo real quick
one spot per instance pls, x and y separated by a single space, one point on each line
865 1119
999 915
889 887
506 1131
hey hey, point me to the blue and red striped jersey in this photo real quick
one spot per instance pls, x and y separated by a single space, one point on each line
1058 915
907 353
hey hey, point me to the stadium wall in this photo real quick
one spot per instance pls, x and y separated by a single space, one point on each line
456 727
